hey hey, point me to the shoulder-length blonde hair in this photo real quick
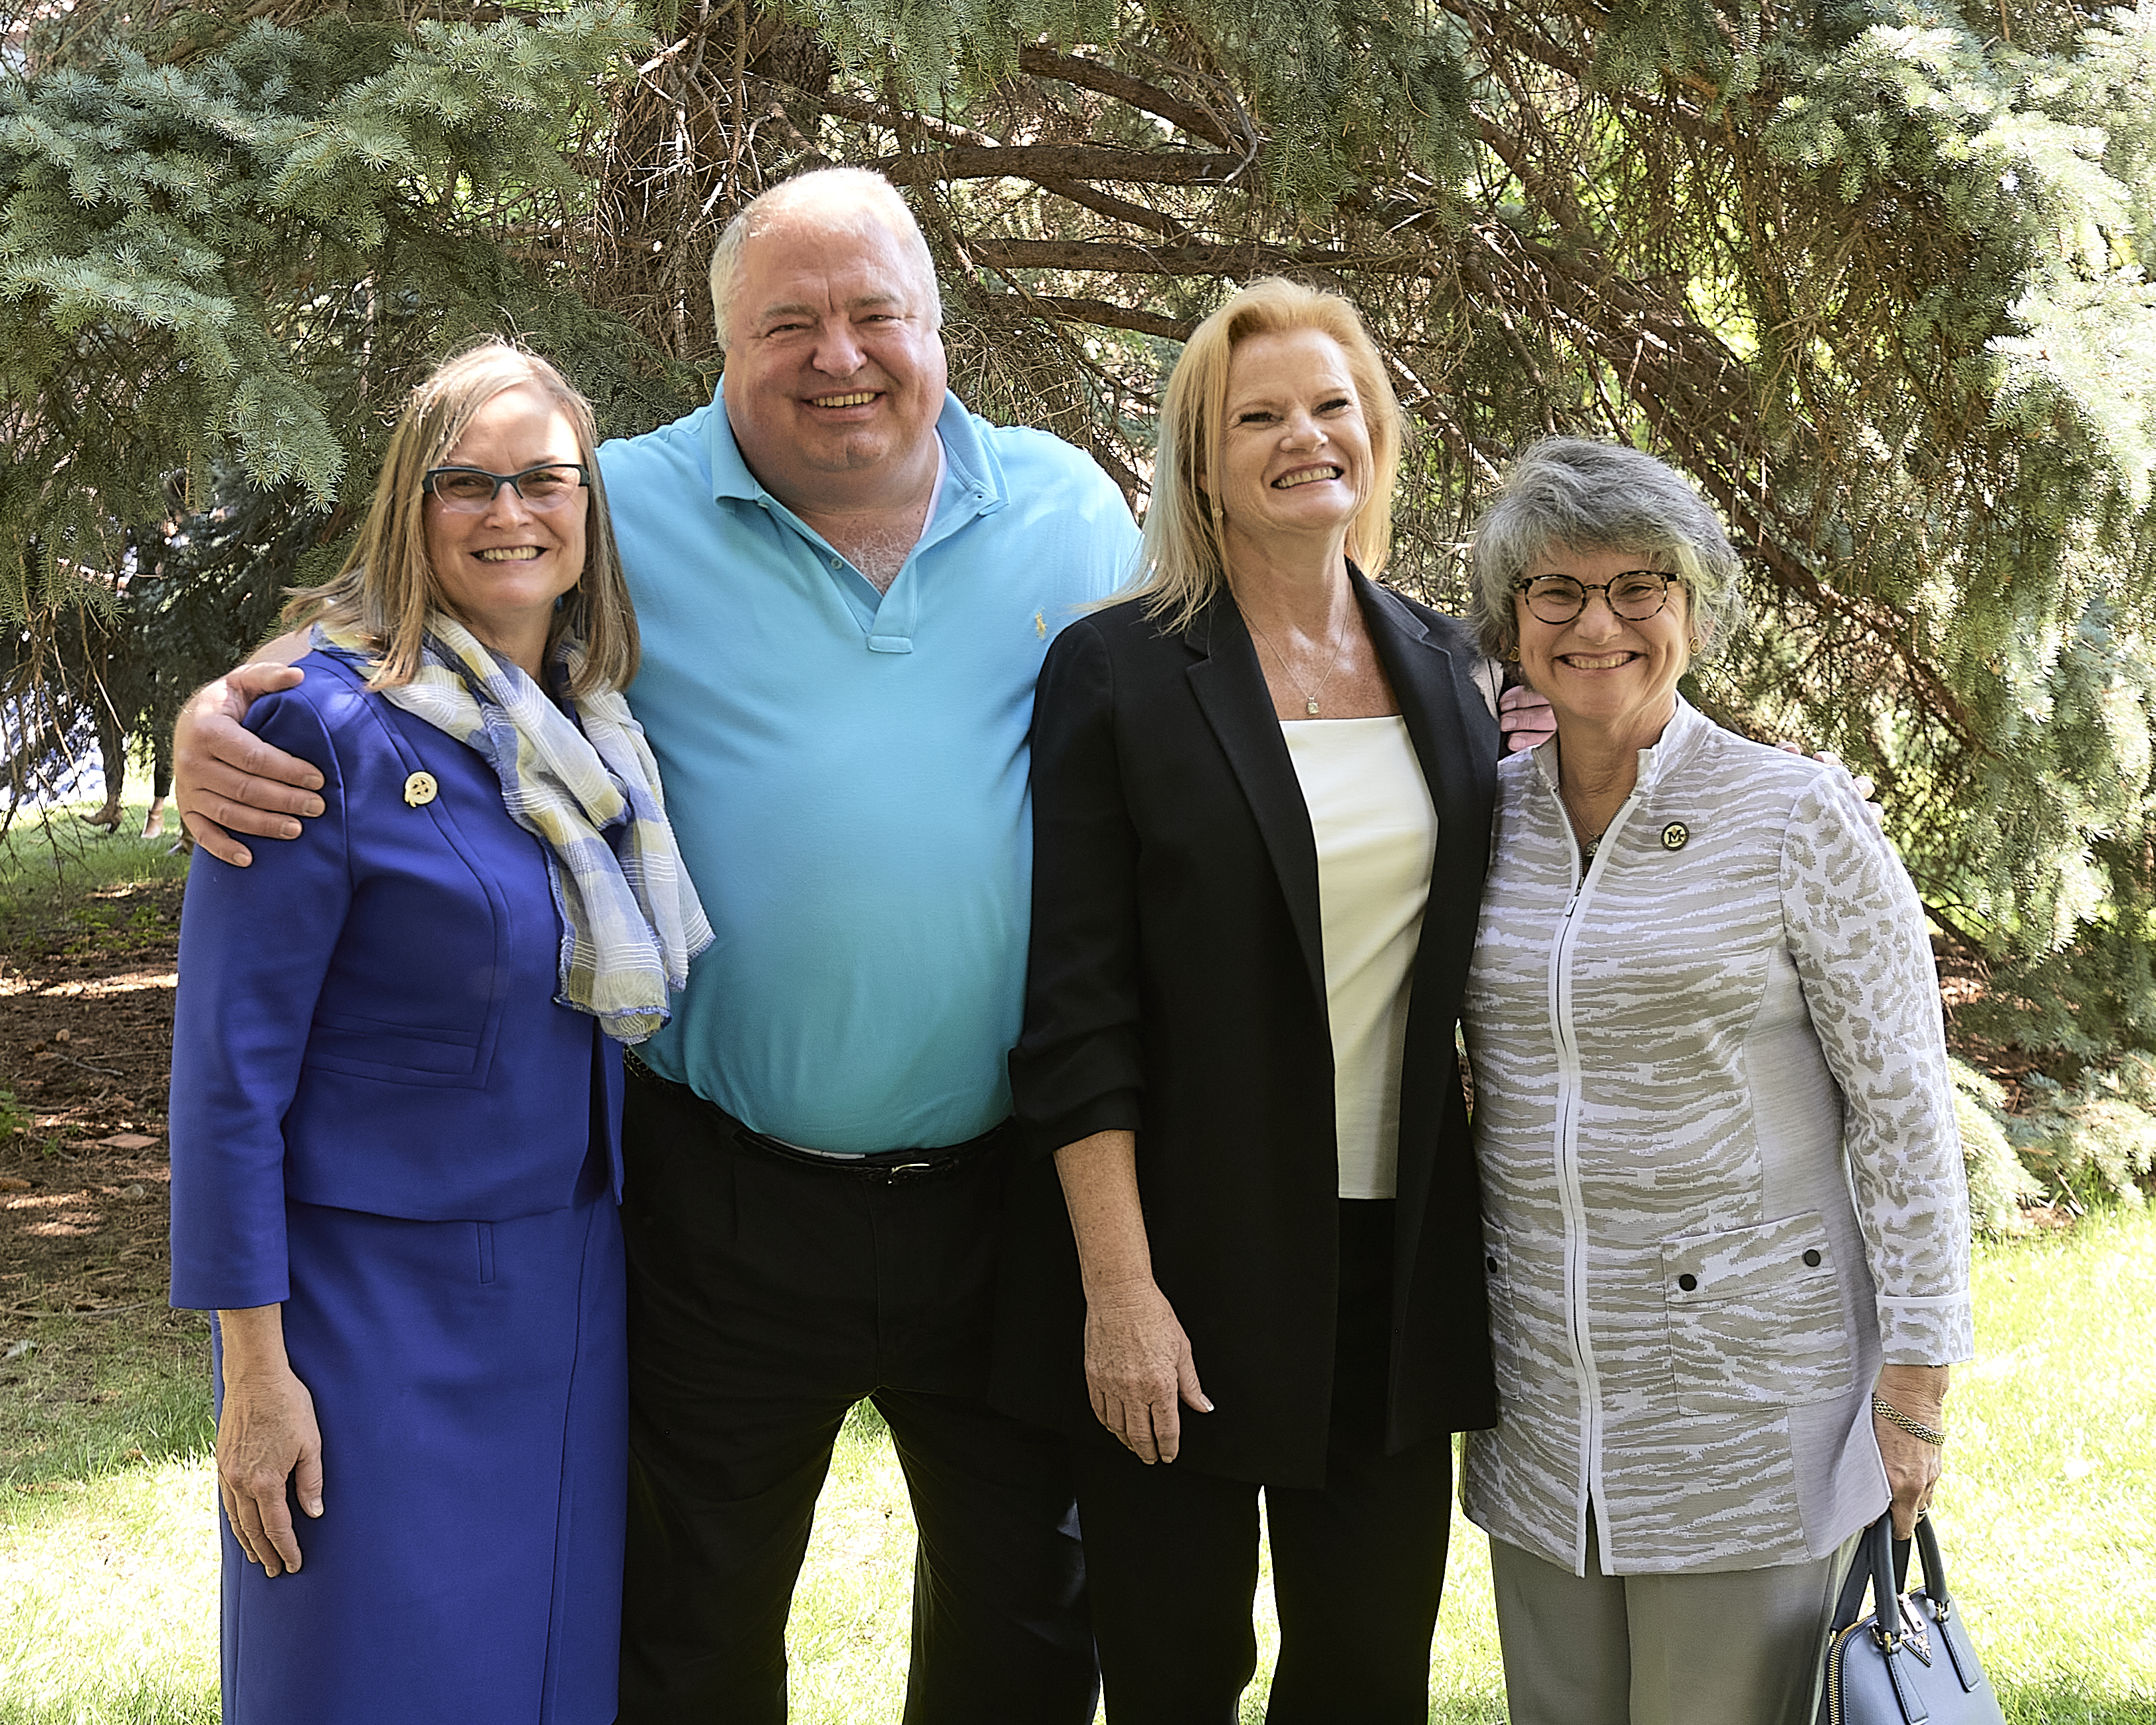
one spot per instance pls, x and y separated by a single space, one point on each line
386 586
1181 564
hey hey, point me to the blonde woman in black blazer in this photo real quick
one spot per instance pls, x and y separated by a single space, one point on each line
1245 1253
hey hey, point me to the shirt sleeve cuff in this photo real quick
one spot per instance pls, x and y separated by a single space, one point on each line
1940 1331
1118 1111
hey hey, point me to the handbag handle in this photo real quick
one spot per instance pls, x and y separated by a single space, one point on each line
1935 1568
1882 1568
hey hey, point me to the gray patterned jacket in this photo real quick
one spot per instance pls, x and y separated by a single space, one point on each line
1720 1178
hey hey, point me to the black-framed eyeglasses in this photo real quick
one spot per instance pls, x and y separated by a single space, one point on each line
469 490
1634 595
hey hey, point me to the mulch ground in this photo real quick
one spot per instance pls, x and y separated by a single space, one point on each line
85 1039
85 1046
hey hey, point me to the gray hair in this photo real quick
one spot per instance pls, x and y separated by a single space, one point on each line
831 200
1597 497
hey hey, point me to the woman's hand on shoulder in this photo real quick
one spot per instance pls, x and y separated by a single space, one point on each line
1139 1371
266 1435
1860 783
1525 718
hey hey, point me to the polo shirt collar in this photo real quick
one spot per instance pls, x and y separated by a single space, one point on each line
972 464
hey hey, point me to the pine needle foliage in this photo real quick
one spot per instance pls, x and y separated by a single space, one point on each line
228 238
1873 272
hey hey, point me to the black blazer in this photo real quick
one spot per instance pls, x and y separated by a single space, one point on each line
1177 989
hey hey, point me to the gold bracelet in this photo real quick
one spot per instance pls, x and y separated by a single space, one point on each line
1916 1429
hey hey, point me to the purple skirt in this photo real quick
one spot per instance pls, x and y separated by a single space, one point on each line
471 1383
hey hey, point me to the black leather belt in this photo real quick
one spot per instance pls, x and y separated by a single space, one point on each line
881 1168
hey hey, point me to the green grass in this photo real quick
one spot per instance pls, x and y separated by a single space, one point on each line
108 1600
108 1581
92 1395
108 1538
2048 1508
51 860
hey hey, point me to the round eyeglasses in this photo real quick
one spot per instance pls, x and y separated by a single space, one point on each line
1636 595
471 490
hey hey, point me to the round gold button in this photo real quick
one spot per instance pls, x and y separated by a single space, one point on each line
420 789
1675 836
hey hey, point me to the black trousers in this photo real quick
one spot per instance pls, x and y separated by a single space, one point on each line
1172 1554
766 1299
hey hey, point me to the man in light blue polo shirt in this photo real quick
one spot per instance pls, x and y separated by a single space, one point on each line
845 585
842 730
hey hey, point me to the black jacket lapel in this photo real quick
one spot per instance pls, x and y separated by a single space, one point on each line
1230 689
1458 750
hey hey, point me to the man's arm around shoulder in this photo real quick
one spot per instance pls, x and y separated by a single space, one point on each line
226 779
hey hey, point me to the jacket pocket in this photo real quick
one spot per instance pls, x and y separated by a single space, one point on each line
1755 1318
369 1048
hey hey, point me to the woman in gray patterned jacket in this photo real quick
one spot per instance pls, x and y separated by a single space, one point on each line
1725 1220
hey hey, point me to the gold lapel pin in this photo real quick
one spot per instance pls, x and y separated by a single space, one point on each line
420 789
1041 624
1675 836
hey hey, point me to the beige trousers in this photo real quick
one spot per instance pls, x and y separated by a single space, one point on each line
1735 1647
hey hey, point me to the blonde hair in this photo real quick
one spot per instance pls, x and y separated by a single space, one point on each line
1181 564
386 586
855 200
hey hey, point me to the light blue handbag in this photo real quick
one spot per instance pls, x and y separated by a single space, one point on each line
1909 1661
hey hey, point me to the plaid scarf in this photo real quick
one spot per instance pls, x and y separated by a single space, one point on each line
631 922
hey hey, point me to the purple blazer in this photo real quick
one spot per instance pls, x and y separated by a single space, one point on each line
366 1016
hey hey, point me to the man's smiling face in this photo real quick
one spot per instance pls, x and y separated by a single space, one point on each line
836 373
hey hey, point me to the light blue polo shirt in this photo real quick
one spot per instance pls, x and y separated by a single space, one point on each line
847 772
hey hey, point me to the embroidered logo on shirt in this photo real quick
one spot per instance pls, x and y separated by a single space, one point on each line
1040 625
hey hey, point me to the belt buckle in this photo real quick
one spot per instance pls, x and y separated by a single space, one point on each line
897 1172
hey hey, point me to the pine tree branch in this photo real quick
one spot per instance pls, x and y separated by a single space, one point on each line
1061 161
1121 209
1237 262
863 112
1516 36
1135 92
1094 311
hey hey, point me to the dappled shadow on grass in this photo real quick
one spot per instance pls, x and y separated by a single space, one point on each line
49 867
91 1395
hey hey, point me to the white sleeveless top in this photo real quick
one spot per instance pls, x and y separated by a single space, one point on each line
1376 828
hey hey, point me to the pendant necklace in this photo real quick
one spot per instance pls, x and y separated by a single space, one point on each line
1310 696
1592 843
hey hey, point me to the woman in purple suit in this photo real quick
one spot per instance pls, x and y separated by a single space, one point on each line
395 1090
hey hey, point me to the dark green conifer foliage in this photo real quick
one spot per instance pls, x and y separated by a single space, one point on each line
230 240
1873 272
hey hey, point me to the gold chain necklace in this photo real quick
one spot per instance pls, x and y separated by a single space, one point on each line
1588 843
1310 697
